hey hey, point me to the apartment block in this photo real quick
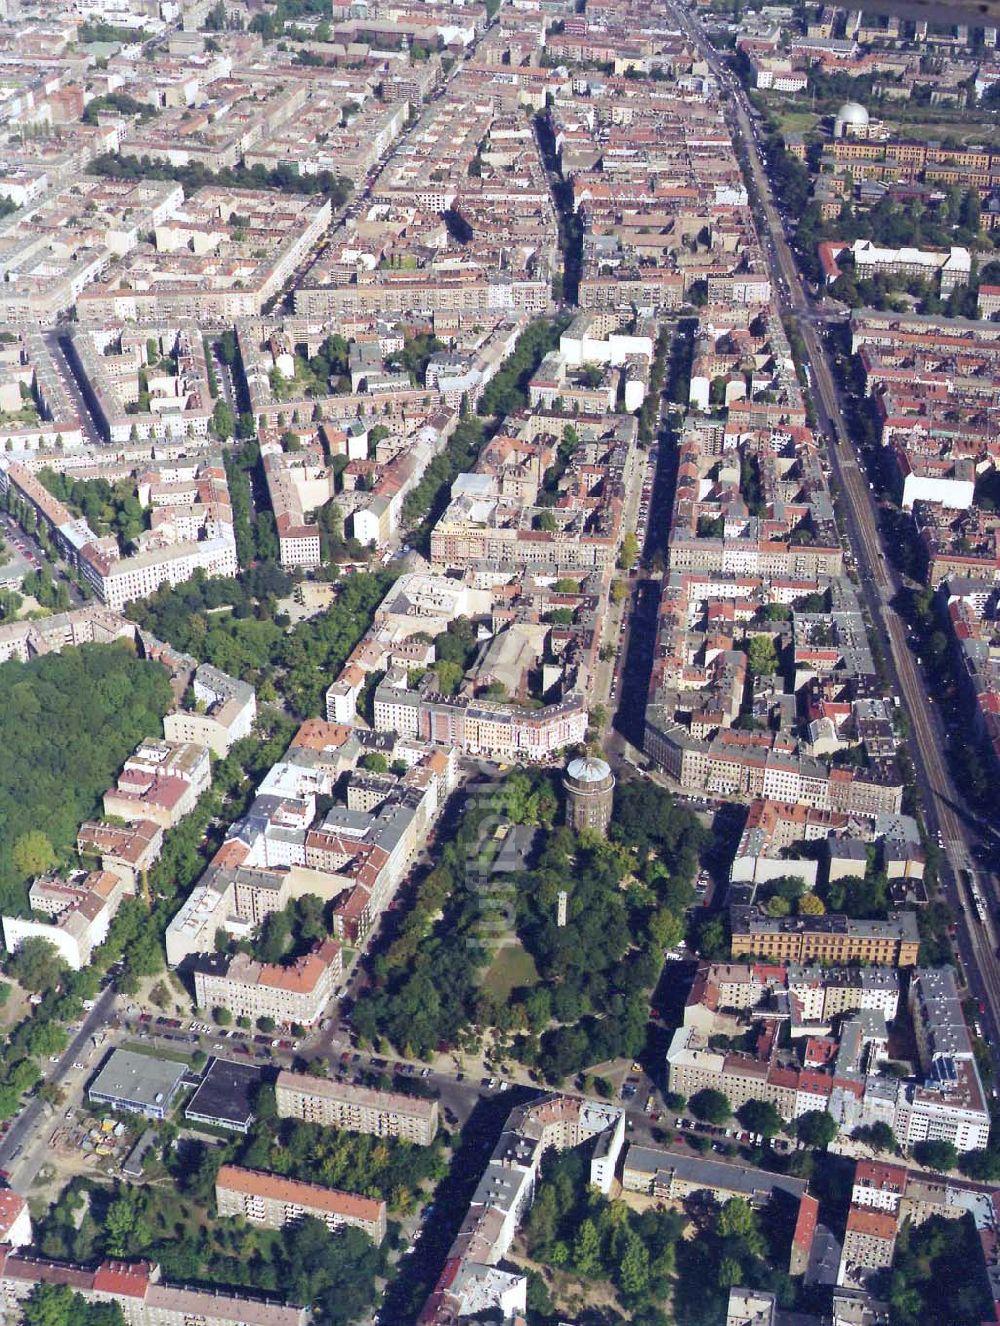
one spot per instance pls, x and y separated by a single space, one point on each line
877 1186
988 303
81 912
66 238
354 859
825 992
149 384
489 521
298 992
950 1103
815 993
869 1243
189 270
15 1220
223 713
750 1307
489 728
161 782
296 483
125 850
356 1109
830 1061
30 377
195 533
951 267
473 1282
144 1298
672 1177
937 421
90 624
273 1201
834 939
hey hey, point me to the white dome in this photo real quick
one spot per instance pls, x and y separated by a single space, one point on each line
852 112
588 769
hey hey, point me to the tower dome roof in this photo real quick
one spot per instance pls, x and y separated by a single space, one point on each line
588 769
852 112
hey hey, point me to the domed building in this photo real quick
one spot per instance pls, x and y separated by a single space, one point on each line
589 785
851 117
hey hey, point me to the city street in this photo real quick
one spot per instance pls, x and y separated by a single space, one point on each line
22 1150
943 808
92 434
606 689
637 627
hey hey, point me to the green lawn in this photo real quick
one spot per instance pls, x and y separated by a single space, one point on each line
797 121
304 384
151 1051
512 967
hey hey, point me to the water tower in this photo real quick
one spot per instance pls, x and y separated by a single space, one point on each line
590 792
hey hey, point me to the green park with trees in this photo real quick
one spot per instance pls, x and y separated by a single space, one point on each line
588 1243
135 936
107 508
938 1275
284 178
176 1226
251 640
626 899
654 1267
60 756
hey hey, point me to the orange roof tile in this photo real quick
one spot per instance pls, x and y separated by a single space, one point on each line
273 1187
11 1206
131 1279
875 1224
805 1223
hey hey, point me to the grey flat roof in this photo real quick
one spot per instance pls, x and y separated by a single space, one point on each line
224 1097
138 1078
712 1173
133 1162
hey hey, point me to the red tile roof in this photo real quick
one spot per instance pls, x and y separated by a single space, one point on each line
875 1224
129 1278
291 1191
805 1223
877 1174
11 1206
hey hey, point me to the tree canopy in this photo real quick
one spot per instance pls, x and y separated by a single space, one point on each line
284 177
332 1275
816 1129
936 1154
711 1105
583 1234
589 1000
250 643
762 655
107 508
60 755
760 1116
58 1305
938 1275
37 964
381 1167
